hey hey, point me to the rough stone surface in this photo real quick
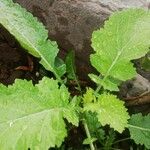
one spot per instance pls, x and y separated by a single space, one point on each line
71 22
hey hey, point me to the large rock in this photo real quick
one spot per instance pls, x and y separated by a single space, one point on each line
71 22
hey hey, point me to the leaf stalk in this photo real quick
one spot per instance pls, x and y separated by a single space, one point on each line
88 135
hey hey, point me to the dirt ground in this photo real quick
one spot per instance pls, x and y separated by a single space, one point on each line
13 56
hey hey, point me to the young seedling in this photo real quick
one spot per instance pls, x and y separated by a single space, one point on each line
32 116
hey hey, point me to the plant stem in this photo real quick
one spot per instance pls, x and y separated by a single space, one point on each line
125 139
137 127
98 89
88 134
58 77
78 84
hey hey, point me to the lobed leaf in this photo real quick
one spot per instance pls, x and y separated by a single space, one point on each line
110 83
32 116
89 96
139 127
94 126
110 110
30 33
125 36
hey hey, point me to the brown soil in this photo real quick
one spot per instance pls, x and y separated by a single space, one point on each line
13 56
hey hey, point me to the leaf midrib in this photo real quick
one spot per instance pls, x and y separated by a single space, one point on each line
41 55
30 115
117 58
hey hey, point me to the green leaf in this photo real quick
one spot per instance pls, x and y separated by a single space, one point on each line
70 65
110 110
89 96
32 116
125 36
60 66
88 141
30 33
139 127
109 140
145 62
108 84
94 126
